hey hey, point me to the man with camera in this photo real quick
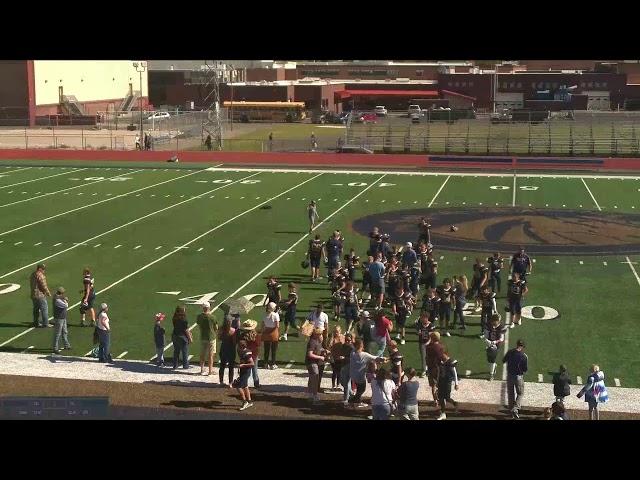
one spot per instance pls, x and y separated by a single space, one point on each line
377 273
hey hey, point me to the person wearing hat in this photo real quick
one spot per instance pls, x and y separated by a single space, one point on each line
60 307
158 338
39 293
208 332
247 332
270 335
104 335
409 256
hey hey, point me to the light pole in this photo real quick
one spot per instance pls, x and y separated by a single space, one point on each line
140 68
231 75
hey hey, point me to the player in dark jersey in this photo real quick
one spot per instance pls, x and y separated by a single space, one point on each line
315 252
338 282
273 291
494 337
447 374
350 299
495 264
447 302
424 326
375 242
366 280
88 297
352 261
431 304
479 280
414 279
488 307
460 287
393 279
289 307
333 247
517 290
424 231
396 359
521 264
430 271
401 311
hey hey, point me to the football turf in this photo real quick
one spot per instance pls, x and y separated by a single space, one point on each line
157 236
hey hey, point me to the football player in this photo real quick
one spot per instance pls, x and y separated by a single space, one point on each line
431 304
493 337
312 212
401 312
315 252
488 307
273 291
366 280
88 297
447 301
431 271
517 290
495 263
350 299
424 231
521 264
352 261
479 280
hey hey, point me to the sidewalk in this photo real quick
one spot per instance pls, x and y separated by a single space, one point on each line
537 395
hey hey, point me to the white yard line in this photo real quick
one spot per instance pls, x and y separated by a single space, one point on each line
579 380
616 381
506 345
124 225
590 193
173 251
41 178
438 192
67 189
96 203
513 202
122 354
633 269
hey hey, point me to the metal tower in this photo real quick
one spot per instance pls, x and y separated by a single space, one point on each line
213 71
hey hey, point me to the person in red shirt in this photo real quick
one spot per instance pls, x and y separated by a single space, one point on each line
383 327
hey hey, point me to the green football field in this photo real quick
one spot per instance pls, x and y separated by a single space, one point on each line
158 235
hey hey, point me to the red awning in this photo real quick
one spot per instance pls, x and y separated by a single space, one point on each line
456 94
345 94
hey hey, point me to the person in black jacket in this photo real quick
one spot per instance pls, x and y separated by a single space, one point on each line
561 382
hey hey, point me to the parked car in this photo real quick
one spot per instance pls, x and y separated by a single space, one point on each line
367 118
380 111
414 109
331 118
415 117
158 116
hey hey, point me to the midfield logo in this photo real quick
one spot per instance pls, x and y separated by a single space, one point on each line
559 232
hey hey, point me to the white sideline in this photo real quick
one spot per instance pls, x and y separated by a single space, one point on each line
433 173
159 259
67 189
42 178
95 203
125 225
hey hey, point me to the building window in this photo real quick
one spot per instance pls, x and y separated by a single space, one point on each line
450 84
519 85
554 84
457 84
597 84
604 84
513 85
471 84
590 84
505 85
419 73
541 85
547 85
583 85
463 84
533 85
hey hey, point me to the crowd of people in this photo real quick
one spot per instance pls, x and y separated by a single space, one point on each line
364 351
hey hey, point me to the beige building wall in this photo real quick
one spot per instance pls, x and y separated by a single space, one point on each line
87 80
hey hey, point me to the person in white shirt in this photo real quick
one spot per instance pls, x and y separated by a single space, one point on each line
270 335
383 390
104 335
319 318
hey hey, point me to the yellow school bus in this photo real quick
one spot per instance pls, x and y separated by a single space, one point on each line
246 112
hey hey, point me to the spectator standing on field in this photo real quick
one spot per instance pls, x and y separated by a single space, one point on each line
435 359
315 358
358 369
227 336
270 141
247 332
181 337
104 335
88 297
207 142
383 390
208 333
594 392
517 365
270 335
561 384
39 293
60 307
408 396
138 146
159 338
245 364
